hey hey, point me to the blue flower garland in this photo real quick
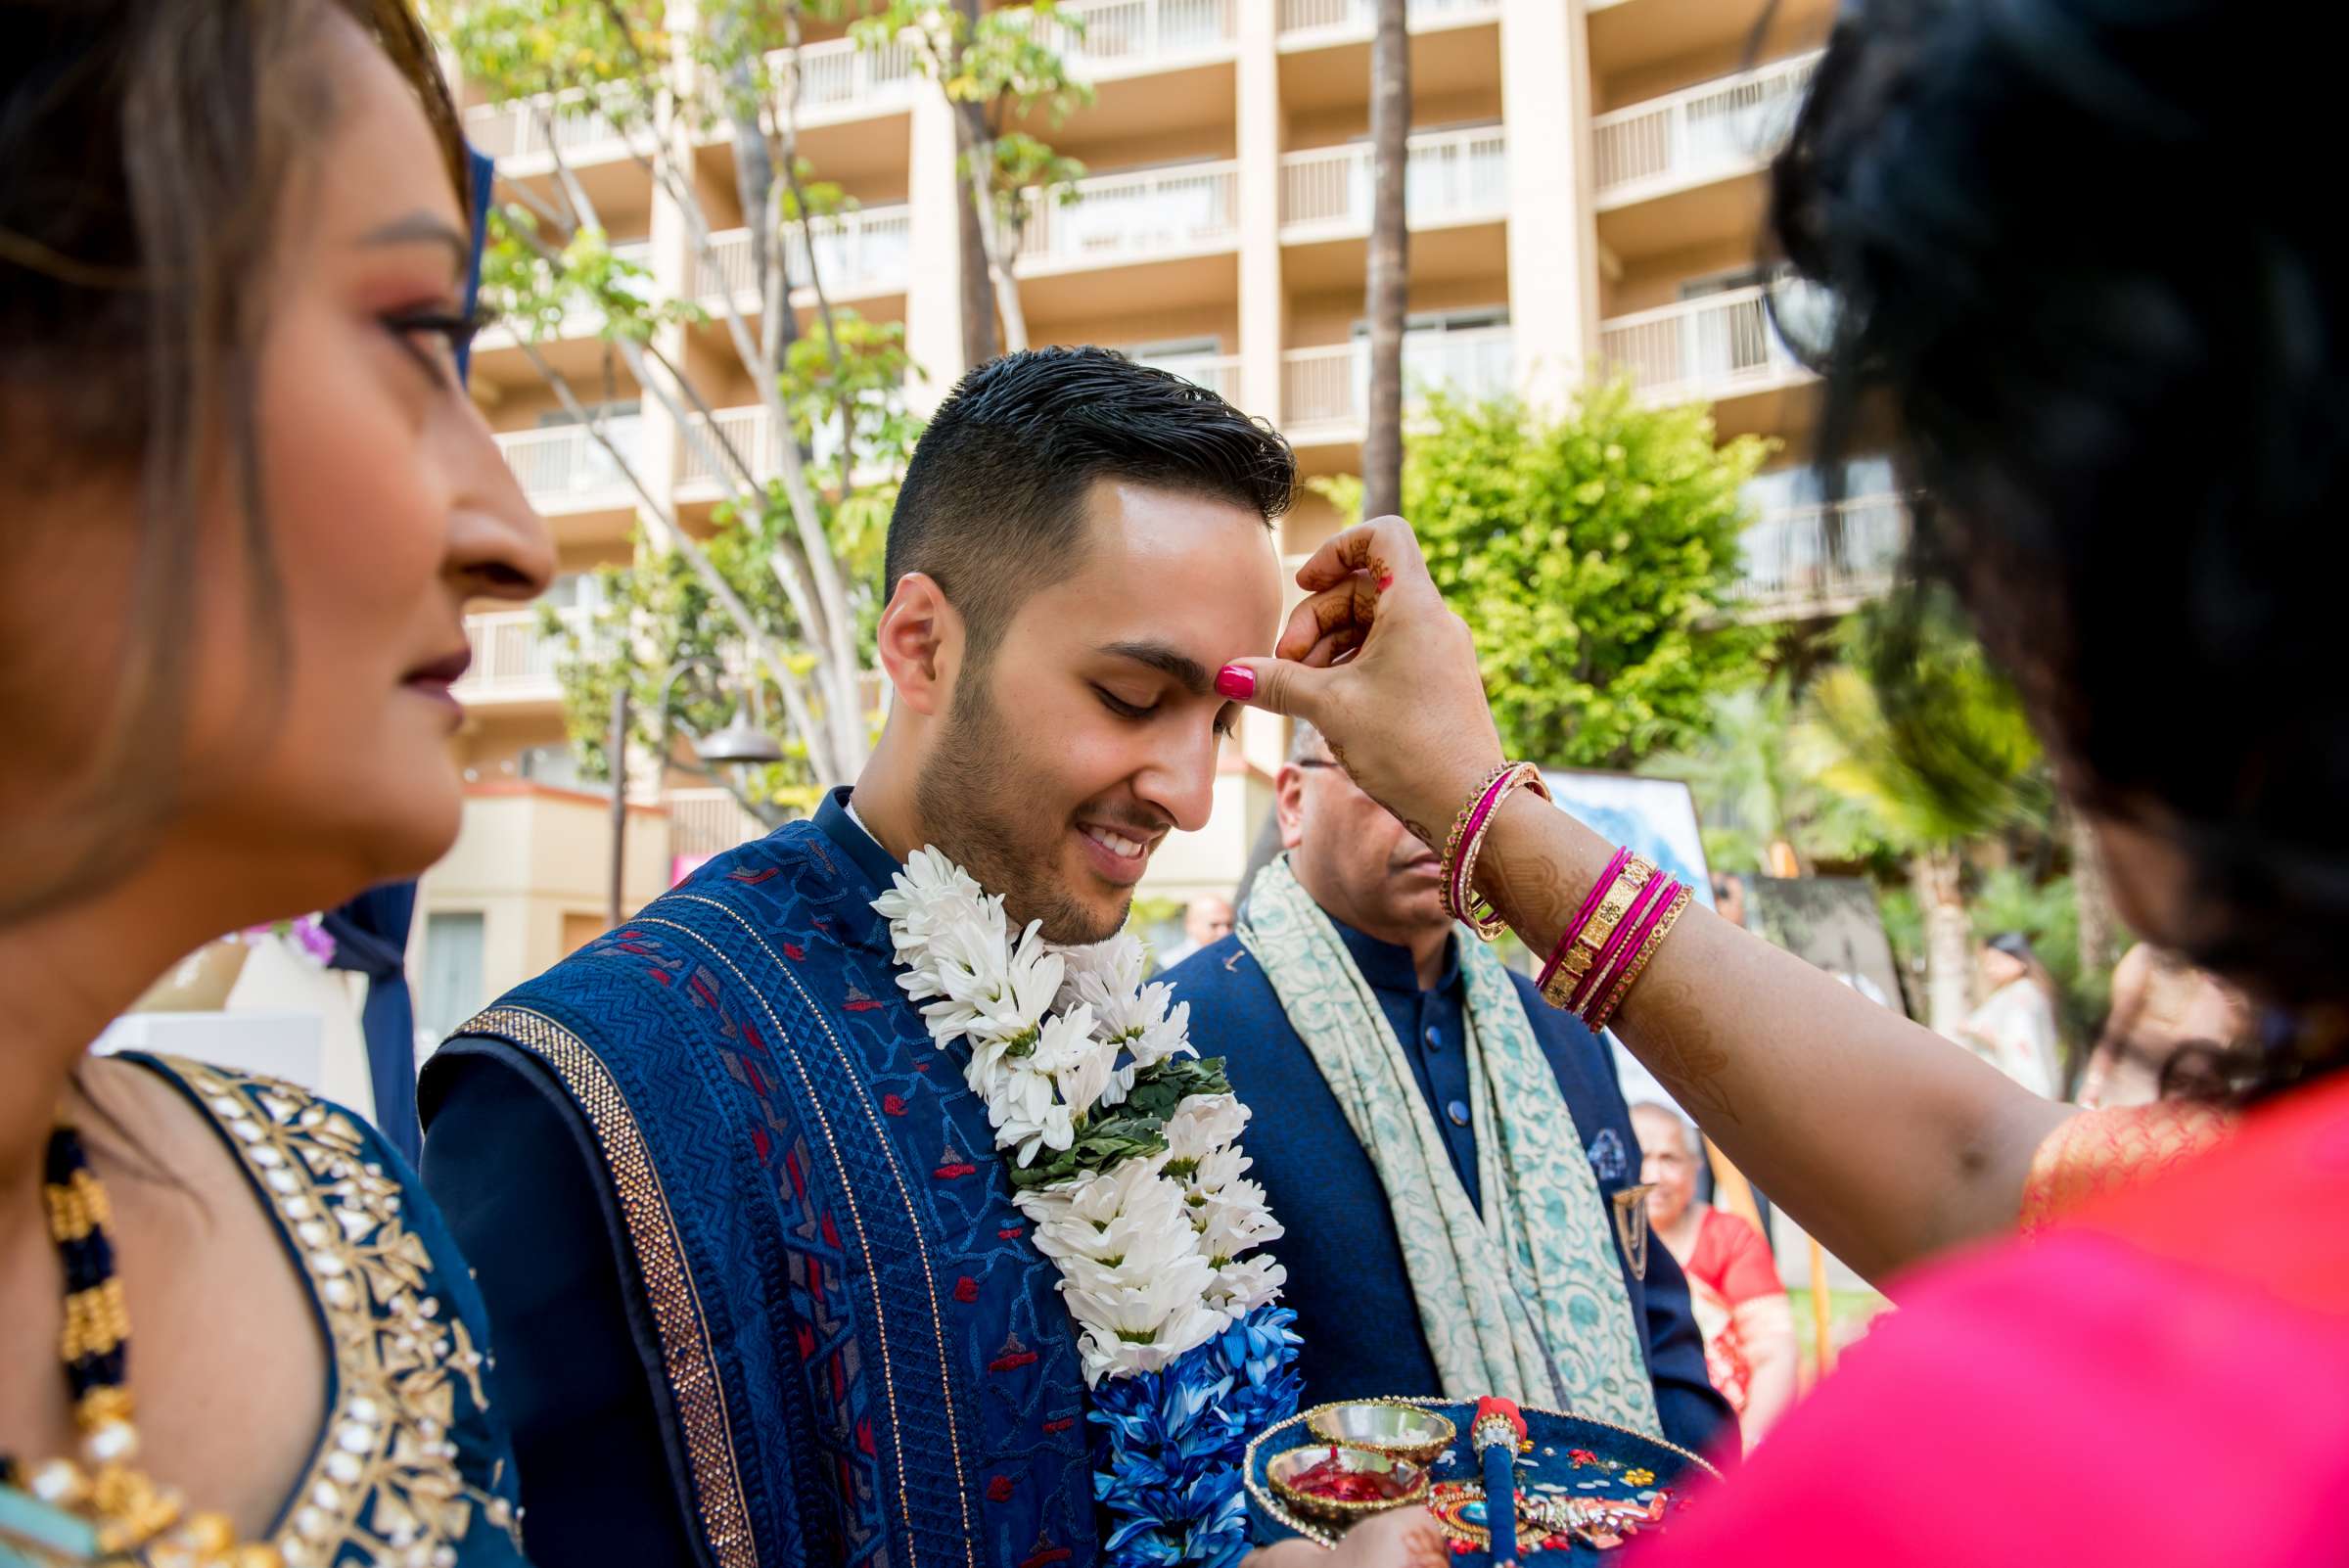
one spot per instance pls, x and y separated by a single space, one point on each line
1170 1445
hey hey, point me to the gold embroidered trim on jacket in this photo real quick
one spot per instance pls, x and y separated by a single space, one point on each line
383 1485
913 1222
667 1284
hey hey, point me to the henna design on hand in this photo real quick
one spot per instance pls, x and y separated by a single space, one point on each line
1677 1041
1534 894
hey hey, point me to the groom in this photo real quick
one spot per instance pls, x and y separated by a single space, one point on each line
760 1293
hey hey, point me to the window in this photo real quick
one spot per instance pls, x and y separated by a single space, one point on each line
449 992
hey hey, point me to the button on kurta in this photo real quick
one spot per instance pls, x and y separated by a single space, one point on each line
1458 1110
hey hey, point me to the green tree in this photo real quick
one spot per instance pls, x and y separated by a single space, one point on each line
998 69
1595 557
778 596
1934 750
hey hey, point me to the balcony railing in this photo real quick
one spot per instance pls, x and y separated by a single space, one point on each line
750 435
708 823
1790 570
1121 218
524 128
841 74
1342 17
1448 177
753 436
860 253
565 469
1218 373
1701 133
1124 36
1710 348
1331 387
514 658
580 320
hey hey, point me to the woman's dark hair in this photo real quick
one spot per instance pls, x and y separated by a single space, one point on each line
2076 274
146 149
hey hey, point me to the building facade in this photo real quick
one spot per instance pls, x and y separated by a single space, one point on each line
1584 189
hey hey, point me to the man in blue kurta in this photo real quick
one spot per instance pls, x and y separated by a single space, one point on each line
1451 1155
760 1292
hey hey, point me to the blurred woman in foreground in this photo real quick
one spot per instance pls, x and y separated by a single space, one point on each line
248 501
2103 323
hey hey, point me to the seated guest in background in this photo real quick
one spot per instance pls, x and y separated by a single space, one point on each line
1206 919
1454 1153
1734 1282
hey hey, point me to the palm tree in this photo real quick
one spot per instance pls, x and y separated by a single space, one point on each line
1745 779
1387 292
1937 752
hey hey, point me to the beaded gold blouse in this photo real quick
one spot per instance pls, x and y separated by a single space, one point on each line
412 1468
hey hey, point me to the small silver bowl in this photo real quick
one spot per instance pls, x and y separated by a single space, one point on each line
1284 1469
1385 1426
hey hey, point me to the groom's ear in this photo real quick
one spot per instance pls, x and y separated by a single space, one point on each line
922 641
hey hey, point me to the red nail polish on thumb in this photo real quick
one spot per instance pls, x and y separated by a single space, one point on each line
1235 681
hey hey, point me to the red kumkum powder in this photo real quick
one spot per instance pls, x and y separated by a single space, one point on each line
1331 1480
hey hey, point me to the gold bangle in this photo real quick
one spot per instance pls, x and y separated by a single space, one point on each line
1648 950
1459 826
1480 916
1590 943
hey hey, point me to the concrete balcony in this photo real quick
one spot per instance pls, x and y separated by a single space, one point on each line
703 469
1325 392
1793 573
579 323
1113 220
1686 169
524 134
1116 38
840 80
1645 36
706 823
1218 373
1708 349
564 468
859 255
1457 176
1706 132
514 661
1318 23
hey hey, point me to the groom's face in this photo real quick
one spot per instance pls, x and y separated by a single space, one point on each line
1091 730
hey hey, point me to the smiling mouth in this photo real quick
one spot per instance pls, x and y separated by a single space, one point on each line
1122 846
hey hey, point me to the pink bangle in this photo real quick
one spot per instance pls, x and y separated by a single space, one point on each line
1659 925
1621 942
1582 918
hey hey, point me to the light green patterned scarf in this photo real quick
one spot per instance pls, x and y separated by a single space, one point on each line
1527 1301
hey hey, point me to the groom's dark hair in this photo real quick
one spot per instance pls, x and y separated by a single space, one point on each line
993 504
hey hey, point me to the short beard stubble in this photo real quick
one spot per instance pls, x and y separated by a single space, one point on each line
968 800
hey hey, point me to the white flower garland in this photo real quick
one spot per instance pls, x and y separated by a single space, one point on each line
1152 1244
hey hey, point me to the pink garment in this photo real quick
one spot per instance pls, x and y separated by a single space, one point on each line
2163 1384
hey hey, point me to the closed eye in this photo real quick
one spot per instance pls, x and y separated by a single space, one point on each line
454 331
1122 708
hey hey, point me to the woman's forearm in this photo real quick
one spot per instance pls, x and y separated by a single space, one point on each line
1881 1138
